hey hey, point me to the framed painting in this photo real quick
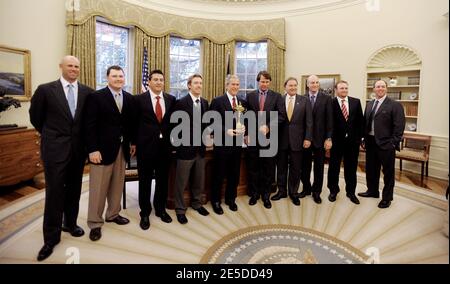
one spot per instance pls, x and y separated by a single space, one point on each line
326 82
15 73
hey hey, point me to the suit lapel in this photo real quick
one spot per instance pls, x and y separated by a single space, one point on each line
82 93
148 102
61 98
382 106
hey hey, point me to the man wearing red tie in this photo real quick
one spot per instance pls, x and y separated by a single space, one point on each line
153 110
347 133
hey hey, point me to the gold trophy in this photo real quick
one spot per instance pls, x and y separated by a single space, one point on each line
239 110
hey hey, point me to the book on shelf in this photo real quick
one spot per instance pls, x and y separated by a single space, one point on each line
394 95
410 109
415 80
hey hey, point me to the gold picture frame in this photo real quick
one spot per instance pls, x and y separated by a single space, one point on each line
15 73
327 83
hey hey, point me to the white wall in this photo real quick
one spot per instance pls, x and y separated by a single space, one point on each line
328 41
40 27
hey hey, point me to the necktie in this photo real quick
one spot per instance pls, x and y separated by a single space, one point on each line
71 100
290 109
118 103
234 103
313 100
372 114
158 109
262 99
344 110
197 105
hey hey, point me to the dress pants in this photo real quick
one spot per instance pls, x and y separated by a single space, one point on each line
318 156
260 171
375 158
197 184
226 165
105 184
158 164
289 167
349 151
62 196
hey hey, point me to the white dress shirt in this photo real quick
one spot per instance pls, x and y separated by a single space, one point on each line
345 102
161 101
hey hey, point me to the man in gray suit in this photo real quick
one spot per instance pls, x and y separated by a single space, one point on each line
56 112
295 135
385 123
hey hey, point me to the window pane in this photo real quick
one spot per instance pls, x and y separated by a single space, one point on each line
184 61
111 49
251 57
240 69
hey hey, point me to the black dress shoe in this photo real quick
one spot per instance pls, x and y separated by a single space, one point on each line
145 223
164 217
267 203
95 234
119 220
304 193
45 252
252 200
332 197
217 208
202 211
316 197
232 206
182 218
384 204
76 231
296 201
353 198
278 196
369 194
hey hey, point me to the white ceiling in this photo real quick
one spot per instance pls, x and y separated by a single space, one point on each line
243 9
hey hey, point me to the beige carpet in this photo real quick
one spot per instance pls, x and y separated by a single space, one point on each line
410 231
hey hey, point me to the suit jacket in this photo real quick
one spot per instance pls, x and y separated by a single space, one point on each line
106 128
292 133
322 119
148 129
273 102
61 137
186 105
222 105
352 128
389 123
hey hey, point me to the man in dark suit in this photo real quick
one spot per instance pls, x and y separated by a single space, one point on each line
321 139
153 110
227 156
385 123
56 112
348 124
108 124
190 149
295 134
259 167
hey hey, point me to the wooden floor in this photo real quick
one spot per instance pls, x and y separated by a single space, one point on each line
13 193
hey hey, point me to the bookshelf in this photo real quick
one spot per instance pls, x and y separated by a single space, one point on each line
400 67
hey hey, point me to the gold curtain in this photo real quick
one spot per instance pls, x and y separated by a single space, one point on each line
81 43
158 50
276 65
215 59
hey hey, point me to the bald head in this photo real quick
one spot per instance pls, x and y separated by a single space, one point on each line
70 68
313 84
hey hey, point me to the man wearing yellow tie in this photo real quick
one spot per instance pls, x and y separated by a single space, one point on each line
295 135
